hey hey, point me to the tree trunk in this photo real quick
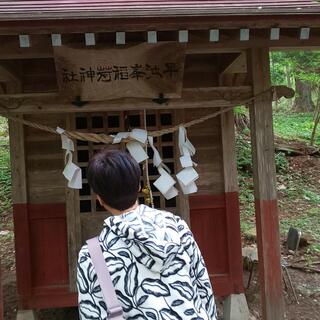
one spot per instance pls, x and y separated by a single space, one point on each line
288 76
303 101
242 122
316 119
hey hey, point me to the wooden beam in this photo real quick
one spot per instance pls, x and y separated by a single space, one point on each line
231 75
191 98
10 77
264 175
199 42
7 75
239 65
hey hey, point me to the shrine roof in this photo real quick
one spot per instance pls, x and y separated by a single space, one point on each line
75 9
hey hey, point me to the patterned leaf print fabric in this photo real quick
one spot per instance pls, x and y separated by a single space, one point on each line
156 268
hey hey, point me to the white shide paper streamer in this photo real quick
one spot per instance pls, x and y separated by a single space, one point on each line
188 175
71 171
136 147
165 183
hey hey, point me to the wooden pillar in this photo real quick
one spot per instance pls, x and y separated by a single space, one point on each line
20 209
183 200
232 198
264 174
73 225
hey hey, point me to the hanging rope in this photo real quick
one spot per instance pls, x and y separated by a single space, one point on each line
147 191
103 138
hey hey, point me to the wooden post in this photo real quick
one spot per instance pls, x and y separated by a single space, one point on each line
20 210
73 225
264 174
183 200
231 189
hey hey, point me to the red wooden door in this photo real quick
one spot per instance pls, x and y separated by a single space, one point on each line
215 223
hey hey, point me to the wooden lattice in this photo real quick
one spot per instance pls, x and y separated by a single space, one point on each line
112 123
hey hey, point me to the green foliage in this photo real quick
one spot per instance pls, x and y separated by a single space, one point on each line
244 158
281 161
304 65
312 197
5 173
243 148
240 110
296 126
278 68
5 179
308 224
3 130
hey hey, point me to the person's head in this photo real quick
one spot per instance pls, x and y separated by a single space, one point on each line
115 177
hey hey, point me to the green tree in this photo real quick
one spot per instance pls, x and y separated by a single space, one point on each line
301 69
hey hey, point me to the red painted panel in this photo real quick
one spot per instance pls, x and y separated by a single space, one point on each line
42 255
49 300
215 222
209 227
48 245
22 248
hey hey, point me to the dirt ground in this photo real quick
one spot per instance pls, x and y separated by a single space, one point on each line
306 284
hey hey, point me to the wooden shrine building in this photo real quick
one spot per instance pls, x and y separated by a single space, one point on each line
225 62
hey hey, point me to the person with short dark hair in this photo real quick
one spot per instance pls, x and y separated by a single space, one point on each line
115 177
154 262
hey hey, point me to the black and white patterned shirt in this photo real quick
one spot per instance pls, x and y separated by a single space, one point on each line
156 268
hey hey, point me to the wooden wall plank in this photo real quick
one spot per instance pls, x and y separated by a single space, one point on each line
18 167
206 137
44 158
264 175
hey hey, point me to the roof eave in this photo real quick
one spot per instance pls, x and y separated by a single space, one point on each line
160 13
